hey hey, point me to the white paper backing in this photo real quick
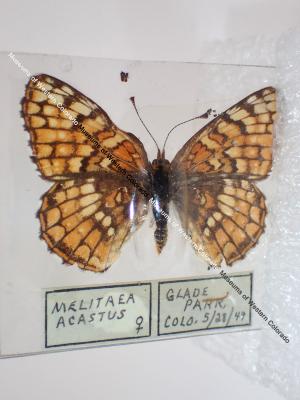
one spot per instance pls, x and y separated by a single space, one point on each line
263 355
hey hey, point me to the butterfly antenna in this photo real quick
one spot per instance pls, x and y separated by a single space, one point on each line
203 116
136 110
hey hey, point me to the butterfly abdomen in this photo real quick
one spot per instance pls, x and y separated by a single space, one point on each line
160 236
160 208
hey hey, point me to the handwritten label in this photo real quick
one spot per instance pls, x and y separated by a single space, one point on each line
199 304
146 310
89 315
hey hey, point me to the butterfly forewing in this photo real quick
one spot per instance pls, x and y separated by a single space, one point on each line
238 142
60 148
211 176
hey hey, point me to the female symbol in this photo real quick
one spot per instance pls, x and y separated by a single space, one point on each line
139 321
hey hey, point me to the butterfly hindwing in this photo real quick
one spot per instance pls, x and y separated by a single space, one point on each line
60 148
86 221
224 217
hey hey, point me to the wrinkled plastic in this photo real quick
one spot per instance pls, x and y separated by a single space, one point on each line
263 355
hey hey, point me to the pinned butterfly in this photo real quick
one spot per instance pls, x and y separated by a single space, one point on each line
91 209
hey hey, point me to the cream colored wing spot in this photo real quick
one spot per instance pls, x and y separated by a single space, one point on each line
37 96
111 231
250 120
68 90
44 150
33 108
57 123
50 111
37 122
106 221
80 108
238 114
47 78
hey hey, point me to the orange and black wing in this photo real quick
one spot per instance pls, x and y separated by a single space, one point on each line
224 217
237 143
91 209
56 115
86 221
212 178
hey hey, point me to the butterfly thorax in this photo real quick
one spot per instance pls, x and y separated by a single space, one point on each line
160 192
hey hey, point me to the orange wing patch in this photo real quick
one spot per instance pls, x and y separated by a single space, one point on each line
60 148
87 221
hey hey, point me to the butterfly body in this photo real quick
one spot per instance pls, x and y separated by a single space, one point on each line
161 197
98 175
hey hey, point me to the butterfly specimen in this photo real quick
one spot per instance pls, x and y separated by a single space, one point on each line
92 209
